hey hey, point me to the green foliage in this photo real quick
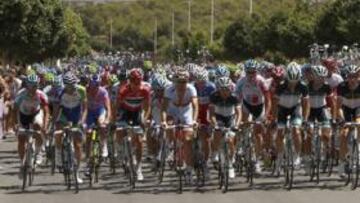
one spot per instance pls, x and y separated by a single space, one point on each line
340 23
35 30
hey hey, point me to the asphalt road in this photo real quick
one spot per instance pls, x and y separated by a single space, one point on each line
113 188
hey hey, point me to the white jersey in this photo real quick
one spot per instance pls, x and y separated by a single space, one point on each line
180 108
334 80
252 92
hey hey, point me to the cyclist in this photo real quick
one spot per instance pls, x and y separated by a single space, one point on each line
72 107
134 100
319 90
31 107
158 84
291 99
99 112
349 108
253 93
224 112
204 89
181 105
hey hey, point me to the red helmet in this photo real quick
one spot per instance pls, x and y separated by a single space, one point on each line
278 72
136 74
330 63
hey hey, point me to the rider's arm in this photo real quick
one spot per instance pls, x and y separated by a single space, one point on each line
195 105
306 107
267 104
164 108
108 109
339 112
212 115
46 116
85 110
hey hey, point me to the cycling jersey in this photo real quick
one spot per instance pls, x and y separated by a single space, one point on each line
180 109
30 105
53 93
334 80
318 97
350 98
204 91
133 100
97 98
70 104
253 92
224 108
289 99
114 92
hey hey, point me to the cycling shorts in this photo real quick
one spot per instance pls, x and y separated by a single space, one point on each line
133 117
257 111
94 116
350 114
294 113
72 115
321 115
27 120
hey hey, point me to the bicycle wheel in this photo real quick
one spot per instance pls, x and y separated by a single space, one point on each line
249 165
331 156
226 167
354 165
131 169
317 158
24 176
289 165
162 161
76 183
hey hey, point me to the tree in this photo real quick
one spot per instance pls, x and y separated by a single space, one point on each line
35 30
340 23
242 38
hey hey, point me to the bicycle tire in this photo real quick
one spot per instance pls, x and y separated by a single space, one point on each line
226 169
76 183
317 159
355 165
290 166
24 176
131 165
162 162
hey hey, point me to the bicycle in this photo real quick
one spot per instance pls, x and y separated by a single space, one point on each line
70 168
179 163
112 149
158 132
199 159
29 163
315 157
332 154
94 158
247 159
288 163
224 157
50 150
352 161
129 161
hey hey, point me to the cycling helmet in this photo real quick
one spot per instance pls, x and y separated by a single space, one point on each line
136 74
202 75
95 80
212 75
58 82
350 70
223 82
123 74
319 71
33 79
113 79
240 67
69 79
293 72
222 71
159 83
49 77
251 65
181 74
278 72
